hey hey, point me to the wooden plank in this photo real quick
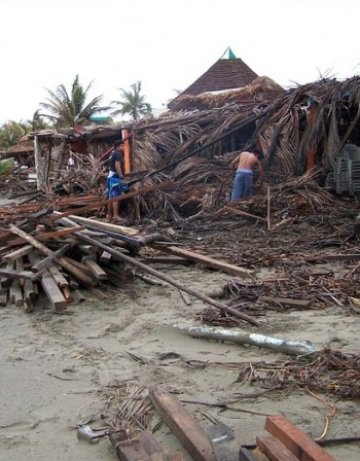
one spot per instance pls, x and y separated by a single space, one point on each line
16 296
51 259
299 443
44 236
183 424
19 253
5 282
165 260
106 226
13 274
300 303
29 296
206 261
45 250
53 293
274 449
58 277
96 270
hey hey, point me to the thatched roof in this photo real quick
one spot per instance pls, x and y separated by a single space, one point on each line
225 74
262 89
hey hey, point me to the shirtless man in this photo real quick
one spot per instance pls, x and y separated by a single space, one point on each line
244 163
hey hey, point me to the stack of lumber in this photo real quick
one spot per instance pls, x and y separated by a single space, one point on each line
49 254
60 252
283 441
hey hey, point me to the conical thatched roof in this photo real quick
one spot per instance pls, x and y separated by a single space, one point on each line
225 74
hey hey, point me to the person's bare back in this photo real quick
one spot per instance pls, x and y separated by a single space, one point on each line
246 161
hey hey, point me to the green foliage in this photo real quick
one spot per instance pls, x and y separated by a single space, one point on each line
70 109
6 166
11 132
133 103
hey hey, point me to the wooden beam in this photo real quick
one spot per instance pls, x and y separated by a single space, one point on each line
51 259
165 260
274 449
13 274
58 277
45 250
206 261
184 426
295 440
16 295
19 253
94 267
166 278
53 293
96 205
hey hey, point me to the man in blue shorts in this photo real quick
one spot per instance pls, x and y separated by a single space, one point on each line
244 163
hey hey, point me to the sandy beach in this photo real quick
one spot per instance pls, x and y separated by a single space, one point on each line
53 367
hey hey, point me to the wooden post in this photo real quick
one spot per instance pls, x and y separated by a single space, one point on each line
127 153
39 165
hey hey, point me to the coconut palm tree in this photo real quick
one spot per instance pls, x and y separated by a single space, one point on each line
133 103
11 132
70 109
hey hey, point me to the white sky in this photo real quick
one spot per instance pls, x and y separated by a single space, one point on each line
167 44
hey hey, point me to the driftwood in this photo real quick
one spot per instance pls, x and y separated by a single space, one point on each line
253 339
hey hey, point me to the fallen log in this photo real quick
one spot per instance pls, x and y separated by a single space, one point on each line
253 339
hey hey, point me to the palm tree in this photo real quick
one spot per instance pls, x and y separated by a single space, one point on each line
66 109
11 132
37 122
133 103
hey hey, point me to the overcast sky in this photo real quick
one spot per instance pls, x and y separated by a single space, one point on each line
166 44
